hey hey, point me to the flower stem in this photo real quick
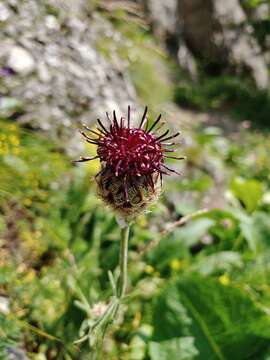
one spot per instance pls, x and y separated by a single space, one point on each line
123 259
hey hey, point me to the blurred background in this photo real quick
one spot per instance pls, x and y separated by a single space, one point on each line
199 273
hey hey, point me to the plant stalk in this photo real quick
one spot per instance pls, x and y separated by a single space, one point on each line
123 259
109 315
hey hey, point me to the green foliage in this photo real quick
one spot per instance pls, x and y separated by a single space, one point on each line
181 348
224 321
249 192
238 96
219 262
9 334
58 243
253 3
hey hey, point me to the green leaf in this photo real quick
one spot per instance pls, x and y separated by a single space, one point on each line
170 317
249 192
248 230
181 348
221 261
167 250
193 232
255 228
224 321
261 223
138 343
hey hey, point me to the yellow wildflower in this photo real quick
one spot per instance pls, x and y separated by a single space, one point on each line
27 202
224 279
149 269
176 264
14 140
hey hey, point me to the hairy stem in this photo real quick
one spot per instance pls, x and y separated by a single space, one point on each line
123 258
101 325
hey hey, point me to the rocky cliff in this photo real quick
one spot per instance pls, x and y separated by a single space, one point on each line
50 63
215 33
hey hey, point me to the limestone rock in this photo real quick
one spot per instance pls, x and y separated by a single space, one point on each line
20 60
167 25
218 33
62 79
4 305
16 354
163 17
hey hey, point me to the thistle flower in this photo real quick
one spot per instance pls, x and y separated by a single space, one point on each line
132 162
132 165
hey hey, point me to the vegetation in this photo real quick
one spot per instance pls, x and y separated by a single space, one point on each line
199 285
234 95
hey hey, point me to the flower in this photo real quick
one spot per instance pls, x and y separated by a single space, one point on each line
224 280
98 310
132 160
6 71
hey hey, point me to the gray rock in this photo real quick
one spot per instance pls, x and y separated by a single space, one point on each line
16 354
217 31
69 82
4 305
186 60
4 13
166 23
163 16
20 60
